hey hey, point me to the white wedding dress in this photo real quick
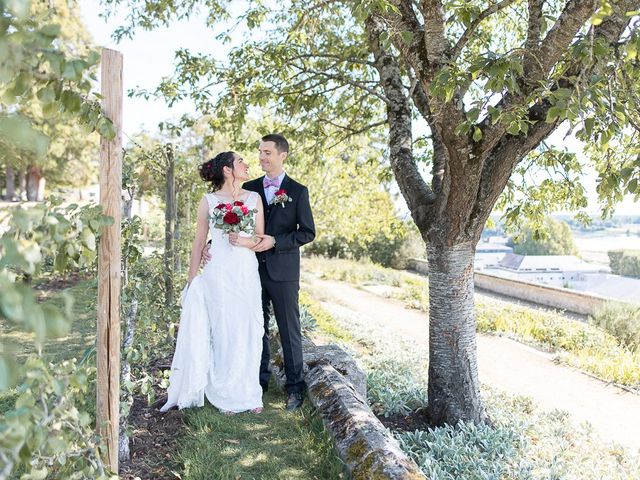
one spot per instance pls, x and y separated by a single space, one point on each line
219 341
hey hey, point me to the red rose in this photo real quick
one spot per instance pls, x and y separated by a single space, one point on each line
238 203
228 206
220 206
231 218
282 191
245 210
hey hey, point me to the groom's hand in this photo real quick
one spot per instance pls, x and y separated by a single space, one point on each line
266 243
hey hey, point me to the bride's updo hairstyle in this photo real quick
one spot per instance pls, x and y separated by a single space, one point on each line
212 171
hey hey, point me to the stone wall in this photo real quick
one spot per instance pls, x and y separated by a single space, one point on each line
336 387
560 298
546 295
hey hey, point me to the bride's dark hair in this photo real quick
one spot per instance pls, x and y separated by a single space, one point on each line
212 171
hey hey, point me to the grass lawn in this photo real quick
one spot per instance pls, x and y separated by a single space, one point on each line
81 336
275 444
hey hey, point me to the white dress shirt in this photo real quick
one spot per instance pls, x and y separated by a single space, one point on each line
270 191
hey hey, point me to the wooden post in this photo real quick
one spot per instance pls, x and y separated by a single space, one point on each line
108 341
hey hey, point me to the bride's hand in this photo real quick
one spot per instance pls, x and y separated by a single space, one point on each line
234 239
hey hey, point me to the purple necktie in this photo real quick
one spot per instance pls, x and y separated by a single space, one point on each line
267 182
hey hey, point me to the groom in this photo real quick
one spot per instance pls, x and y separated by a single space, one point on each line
288 226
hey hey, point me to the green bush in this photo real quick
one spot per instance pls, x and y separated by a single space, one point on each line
625 262
622 320
551 238
392 247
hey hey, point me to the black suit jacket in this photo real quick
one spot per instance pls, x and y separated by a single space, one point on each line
291 226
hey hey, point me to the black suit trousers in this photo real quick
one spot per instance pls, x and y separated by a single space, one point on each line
284 298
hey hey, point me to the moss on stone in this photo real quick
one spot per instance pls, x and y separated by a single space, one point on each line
356 450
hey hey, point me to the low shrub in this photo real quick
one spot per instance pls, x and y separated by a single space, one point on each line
622 320
467 452
392 387
578 344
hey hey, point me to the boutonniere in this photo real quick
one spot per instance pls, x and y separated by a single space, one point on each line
280 197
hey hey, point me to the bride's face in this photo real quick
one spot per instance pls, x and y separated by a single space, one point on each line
240 168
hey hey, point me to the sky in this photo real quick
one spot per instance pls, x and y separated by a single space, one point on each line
149 56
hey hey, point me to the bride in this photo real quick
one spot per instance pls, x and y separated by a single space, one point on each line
219 341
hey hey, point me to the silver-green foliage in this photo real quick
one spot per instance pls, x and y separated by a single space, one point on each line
392 387
470 452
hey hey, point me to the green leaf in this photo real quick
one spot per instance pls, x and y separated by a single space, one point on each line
11 305
477 134
553 114
514 128
60 262
88 239
17 130
105 128
632 186
8 372
51 30
20 8
56 323
588 125
36 474
407 37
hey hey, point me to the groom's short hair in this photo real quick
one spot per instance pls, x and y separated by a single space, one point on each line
281 143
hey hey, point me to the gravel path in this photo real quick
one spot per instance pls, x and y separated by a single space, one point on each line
510 366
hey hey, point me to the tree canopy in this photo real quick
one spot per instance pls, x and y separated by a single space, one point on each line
556 239
489 81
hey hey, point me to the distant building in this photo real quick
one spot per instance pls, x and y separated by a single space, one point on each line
556 270
489 254
608 285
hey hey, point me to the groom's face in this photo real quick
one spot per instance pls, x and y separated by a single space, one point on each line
271 160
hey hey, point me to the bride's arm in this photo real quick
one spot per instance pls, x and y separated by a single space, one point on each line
202 228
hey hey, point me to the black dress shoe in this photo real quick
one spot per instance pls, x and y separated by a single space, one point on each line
294 401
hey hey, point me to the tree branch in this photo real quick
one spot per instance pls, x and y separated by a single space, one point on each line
413 187
435 40
510 149
351 82
440 157
462 41
571 20
534 25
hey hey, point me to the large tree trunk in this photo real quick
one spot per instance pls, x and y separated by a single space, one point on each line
35 184
454 391
22 184
170 223
10 179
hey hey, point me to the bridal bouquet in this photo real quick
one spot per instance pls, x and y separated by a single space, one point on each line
233 217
